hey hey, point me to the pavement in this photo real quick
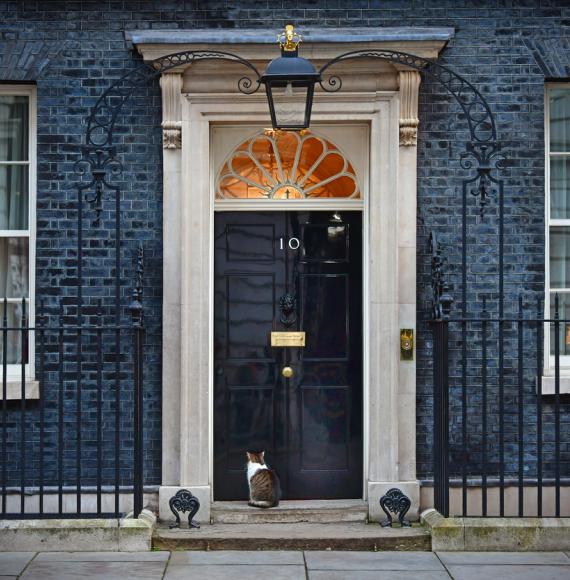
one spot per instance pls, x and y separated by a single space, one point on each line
309 565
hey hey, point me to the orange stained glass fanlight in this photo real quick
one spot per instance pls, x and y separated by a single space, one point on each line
286 165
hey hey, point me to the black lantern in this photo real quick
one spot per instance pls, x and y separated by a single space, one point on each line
290 83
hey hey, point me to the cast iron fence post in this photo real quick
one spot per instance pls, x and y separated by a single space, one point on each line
441 416
442 301
136 311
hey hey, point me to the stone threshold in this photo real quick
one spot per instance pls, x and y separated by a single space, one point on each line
300 536
497 534
290 511
78 535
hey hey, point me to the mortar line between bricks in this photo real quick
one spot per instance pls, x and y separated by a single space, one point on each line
444 566
27 565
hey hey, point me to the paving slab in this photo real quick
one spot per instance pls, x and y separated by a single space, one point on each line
351 561
239 572
102 557
509 572
12 563
230 557
94 570
375 575
500 558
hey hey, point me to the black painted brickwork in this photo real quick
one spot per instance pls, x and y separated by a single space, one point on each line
74 49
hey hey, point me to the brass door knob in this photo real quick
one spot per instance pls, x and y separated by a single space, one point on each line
287 372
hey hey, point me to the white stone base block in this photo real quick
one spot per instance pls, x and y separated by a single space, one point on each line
376 489
76 535
202 492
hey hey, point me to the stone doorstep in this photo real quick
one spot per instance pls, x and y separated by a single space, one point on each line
497 534
300 536
78 535
312 511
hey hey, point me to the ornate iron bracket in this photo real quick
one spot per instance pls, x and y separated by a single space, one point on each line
183 501
398 503
441 298
477 111
288 306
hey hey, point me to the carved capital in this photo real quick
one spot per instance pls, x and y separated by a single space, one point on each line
409 88
171 85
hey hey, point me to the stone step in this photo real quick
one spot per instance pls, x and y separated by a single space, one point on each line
311 511
300 536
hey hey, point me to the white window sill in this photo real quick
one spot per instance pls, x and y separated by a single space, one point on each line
548 384
14 390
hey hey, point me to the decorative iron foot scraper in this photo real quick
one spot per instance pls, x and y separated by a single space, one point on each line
183 502
396 502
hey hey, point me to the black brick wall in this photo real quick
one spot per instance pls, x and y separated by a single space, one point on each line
73 50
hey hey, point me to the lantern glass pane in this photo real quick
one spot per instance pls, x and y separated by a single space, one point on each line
290 103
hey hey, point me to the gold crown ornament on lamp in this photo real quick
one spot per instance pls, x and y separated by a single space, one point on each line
289 82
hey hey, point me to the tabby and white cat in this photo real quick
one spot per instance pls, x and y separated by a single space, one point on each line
264 488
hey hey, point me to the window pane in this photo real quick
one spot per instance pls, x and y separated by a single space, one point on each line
563 314
13 197
560 257
560 187
13 128
14 277
14 337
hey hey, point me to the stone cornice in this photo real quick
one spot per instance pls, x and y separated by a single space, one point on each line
318 44
310 35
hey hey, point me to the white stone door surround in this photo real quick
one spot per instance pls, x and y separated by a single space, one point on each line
202 95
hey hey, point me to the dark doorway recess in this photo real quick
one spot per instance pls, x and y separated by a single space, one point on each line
289 271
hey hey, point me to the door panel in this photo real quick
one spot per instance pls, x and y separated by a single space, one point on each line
310 425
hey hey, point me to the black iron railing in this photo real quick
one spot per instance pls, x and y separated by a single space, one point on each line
71 435
499 409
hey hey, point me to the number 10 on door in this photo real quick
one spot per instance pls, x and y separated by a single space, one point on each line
293 244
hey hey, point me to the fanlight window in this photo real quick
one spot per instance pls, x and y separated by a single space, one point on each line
286 165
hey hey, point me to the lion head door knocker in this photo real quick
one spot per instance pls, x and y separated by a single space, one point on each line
288 307
184 502
396 502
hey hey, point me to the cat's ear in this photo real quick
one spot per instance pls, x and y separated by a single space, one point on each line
248 455
262 455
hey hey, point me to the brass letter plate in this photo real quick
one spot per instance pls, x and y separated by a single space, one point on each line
288 339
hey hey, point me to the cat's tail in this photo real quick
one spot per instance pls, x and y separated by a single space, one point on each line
262 504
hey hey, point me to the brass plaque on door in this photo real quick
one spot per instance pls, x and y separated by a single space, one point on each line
288 339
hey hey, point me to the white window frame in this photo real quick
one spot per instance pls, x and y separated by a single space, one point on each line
14 371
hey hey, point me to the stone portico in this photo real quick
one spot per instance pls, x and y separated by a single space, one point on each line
202 97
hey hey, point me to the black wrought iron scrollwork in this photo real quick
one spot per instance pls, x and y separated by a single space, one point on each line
288 307
477 111
99 164
103 116
441 298
488 157
184 501
398 503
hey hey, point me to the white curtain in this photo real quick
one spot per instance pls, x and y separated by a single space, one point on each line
14 251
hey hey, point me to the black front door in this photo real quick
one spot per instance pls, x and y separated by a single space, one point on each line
289 271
